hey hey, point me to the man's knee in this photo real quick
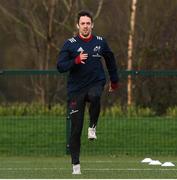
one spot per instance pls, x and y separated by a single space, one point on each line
94 98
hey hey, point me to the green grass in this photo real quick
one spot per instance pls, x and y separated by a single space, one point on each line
92 167
32 136
46 136
34 147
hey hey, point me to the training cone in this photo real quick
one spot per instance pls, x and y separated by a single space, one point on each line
146 160
155 162
167 164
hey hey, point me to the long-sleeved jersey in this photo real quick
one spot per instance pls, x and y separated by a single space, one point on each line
85 75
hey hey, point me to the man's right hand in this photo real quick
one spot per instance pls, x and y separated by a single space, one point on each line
80 59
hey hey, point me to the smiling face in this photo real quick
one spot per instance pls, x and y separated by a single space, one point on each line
85 26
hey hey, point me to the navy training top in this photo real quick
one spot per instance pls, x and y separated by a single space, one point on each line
82 76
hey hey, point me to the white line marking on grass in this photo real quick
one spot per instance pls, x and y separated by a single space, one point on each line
98 161
128 169
85 169
119 162
27 169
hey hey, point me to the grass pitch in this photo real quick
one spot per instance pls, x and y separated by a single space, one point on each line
46 136
94 167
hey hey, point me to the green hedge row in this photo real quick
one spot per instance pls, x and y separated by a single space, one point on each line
25 109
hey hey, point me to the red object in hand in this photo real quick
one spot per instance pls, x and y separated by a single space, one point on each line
78 60
81 58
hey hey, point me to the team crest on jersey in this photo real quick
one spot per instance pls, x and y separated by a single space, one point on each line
97 48
80 49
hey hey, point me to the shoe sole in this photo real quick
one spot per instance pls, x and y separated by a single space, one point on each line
91 139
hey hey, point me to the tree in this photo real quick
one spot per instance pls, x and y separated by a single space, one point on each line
130 50
39 27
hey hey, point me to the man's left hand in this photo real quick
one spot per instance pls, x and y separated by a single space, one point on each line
113 86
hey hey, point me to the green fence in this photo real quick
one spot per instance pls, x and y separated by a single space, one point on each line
33 118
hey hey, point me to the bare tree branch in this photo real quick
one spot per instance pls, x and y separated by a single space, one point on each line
70 8
98 9
18 21
67 4
45 5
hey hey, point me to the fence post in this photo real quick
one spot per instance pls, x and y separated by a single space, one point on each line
68 130
1 72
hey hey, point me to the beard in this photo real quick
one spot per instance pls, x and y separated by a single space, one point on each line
86 33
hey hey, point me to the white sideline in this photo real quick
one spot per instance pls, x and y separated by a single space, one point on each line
26 169
87 169
128 169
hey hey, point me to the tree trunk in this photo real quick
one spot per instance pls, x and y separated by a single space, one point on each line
130 51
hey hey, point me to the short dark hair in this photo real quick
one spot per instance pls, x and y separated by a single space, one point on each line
84 13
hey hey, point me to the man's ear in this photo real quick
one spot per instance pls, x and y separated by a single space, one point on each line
92 26
77 26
